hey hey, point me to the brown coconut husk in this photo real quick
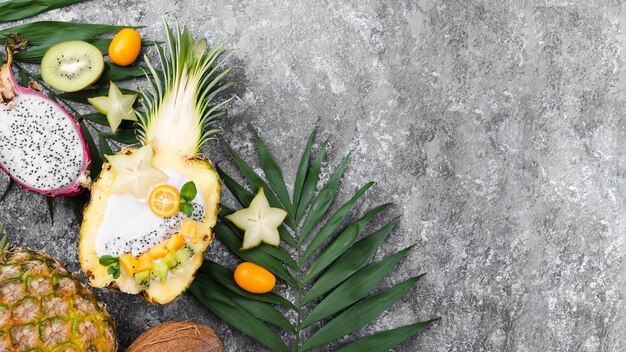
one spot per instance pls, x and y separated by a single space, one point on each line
177 336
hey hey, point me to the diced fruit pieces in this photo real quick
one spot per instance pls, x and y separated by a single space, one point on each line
182 255
175 242
159 272
188 228
129 263
158 251
169 260
142 279
144 262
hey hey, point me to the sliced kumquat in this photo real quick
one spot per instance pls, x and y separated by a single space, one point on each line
164 200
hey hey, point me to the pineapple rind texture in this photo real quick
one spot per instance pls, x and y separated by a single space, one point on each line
44 307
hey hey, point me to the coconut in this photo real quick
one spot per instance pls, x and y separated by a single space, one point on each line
177 336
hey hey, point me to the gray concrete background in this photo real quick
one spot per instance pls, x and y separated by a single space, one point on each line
495 127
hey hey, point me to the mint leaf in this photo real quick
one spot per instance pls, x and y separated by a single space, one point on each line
114 270
188 192
113 264
107 260
186 208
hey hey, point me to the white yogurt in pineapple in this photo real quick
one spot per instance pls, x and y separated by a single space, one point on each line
129 225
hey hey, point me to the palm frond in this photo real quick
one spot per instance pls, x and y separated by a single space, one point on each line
13 10
336 290
7 189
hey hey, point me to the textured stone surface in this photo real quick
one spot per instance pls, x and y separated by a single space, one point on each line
495 127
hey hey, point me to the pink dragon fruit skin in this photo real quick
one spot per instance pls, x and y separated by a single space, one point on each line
71 132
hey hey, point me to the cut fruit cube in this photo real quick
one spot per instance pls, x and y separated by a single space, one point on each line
188 228
182 255
158 251
129 263
175 242
142 279
159 272
144 263
169 260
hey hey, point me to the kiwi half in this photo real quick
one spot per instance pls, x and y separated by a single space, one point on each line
71 66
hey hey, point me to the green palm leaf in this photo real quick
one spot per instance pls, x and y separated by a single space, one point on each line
341 244
48 33
386 340
35 54
333 223
303 169
355 288
351 261
7 189
235 314
358 315
328 272
14 10
274 175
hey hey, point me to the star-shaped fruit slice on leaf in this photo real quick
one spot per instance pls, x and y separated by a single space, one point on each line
134 172
116 106
259 221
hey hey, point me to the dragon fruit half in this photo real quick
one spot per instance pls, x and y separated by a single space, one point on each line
42 147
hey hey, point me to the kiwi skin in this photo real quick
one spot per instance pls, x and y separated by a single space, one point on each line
86 59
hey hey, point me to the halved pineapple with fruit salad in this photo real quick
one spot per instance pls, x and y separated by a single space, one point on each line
152 210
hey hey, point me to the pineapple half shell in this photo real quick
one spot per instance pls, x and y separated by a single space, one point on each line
176 119
43 307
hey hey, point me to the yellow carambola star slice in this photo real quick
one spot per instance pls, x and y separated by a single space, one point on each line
135 173
259 221
116 106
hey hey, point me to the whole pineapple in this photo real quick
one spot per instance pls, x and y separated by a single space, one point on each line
43 307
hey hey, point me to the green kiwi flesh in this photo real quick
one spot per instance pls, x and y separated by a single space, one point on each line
142 279
159 272
72 66
181 255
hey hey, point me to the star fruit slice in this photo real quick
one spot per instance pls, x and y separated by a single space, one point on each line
116 106
135 173
259 221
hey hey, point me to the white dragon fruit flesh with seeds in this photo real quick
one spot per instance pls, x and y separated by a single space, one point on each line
120 234
41 145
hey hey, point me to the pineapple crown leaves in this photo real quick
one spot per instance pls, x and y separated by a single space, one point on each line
336 289
187 62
